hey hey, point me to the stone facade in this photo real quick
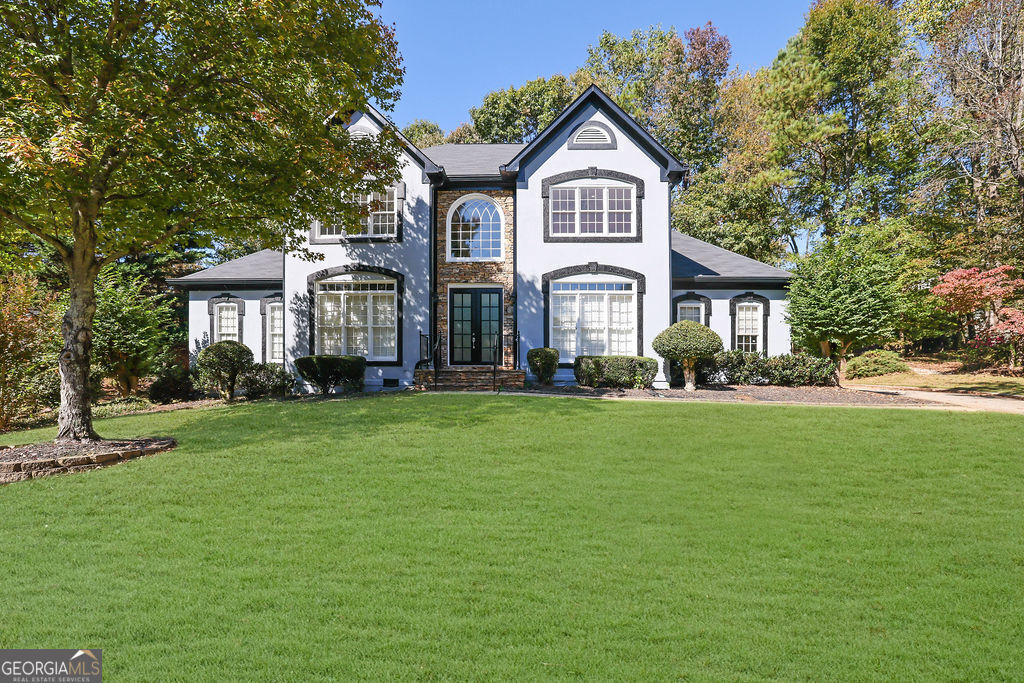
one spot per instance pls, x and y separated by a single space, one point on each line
497 273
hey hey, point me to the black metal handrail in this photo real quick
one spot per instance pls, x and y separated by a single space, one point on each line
494 367
437 359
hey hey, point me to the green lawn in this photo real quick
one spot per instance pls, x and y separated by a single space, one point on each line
440 536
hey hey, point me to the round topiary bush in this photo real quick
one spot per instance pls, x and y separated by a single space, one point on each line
543 363
219 366
685 343
875 363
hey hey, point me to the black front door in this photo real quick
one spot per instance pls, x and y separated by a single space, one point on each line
474 325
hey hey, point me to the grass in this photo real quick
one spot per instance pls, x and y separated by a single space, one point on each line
440 536
992 384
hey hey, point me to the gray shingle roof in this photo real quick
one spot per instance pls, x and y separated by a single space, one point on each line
698 260
262 268
472 160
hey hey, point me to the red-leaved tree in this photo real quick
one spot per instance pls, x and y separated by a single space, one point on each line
967 291
1010 326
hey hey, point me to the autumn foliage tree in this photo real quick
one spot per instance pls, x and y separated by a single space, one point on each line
27 336
125 125
966 292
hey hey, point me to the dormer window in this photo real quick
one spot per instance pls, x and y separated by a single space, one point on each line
592 135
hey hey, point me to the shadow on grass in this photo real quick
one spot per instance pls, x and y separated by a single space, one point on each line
265 423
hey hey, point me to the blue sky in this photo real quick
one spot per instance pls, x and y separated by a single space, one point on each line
457 51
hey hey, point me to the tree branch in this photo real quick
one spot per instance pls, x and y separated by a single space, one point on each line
62 249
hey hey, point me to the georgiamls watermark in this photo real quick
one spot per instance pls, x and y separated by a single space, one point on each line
51 666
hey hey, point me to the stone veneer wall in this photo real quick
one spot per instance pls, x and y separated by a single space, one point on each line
498 273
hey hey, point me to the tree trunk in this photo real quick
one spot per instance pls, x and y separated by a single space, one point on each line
75 418
690 374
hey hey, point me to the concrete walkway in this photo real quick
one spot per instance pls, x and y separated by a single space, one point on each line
968 402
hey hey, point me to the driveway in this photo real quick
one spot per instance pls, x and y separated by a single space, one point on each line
968 402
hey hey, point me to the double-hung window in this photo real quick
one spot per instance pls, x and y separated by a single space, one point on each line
592 210
690 310
593 319
748 327
275 333
358 316
227 323
379 218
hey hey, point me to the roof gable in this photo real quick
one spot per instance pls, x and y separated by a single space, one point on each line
672 169
430 169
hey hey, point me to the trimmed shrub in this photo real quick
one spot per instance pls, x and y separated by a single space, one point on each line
875 363
685 343
739 367
327 372
791 370
220 365
619 372
543 363
799 371
174 383
266 379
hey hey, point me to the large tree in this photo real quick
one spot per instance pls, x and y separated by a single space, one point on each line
126 124
839 108
518 114
843 296
424 133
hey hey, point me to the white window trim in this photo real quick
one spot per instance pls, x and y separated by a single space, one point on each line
579 313
604 185
271 308
759 308
448 230
370 357
699 305
216 326
344 234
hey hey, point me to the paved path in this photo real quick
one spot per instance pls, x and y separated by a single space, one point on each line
969 402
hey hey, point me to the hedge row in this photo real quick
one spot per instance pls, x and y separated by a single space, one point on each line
737 367
621 372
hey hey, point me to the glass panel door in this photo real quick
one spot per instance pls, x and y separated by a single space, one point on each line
474 325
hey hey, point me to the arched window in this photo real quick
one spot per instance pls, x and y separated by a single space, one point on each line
476 229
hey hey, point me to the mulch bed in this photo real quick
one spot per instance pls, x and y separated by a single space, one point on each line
18 463
747 394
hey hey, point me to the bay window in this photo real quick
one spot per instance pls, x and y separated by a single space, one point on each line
593 318
357 315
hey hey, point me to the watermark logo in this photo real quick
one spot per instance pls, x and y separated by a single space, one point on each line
51 666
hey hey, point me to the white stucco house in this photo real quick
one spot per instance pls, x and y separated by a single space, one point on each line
484 251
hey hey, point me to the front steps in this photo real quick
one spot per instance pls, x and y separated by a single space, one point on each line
469 379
